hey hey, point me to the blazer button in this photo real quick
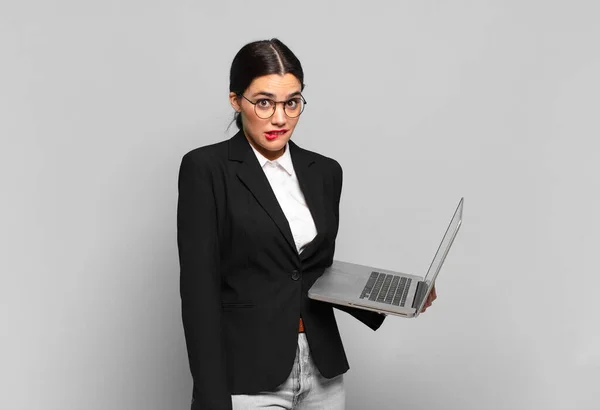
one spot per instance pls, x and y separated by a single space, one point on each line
295 275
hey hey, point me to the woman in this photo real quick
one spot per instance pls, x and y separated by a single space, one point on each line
257 222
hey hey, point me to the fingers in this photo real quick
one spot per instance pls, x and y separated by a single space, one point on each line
430 298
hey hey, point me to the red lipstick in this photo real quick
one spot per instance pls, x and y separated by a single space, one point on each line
274 134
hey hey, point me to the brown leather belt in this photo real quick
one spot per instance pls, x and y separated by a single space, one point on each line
301 326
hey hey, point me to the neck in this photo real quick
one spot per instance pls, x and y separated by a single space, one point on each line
270 155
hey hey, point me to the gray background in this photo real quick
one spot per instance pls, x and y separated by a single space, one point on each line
421 101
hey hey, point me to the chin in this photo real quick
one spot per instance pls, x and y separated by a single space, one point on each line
275 145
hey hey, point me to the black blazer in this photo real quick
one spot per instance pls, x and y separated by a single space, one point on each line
243 284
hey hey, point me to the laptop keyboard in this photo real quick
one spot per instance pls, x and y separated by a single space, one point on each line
385 288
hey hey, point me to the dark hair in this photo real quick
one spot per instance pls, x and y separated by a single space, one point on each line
260 58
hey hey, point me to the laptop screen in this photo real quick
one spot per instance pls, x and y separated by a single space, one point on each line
440 255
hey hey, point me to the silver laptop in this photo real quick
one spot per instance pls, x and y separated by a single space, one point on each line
381 290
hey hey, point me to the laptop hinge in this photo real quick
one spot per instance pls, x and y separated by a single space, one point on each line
419 294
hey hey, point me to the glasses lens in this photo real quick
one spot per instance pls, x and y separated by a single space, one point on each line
264 108
294 107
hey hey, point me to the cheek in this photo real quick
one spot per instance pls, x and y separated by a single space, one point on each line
253 124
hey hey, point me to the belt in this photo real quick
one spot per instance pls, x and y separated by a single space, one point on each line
301 326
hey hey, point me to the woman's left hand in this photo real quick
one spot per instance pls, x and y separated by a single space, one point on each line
430 298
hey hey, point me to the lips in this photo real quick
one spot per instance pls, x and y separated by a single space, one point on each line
274 134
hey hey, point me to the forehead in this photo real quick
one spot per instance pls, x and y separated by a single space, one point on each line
279 85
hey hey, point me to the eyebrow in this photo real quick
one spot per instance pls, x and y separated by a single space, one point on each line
271 95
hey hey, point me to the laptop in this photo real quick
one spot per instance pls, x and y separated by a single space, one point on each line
381 290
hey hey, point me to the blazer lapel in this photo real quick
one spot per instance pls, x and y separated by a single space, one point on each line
252 175
311 184
309 178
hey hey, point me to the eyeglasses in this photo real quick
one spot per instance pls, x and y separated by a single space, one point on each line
265 107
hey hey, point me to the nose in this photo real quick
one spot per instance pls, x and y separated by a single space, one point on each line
279 117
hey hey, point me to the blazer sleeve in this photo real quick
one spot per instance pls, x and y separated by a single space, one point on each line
198 245
372 319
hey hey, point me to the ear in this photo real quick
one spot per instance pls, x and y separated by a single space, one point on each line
234 100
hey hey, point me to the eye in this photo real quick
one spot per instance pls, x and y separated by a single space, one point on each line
264 103
293 103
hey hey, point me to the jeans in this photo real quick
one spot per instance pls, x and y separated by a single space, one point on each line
305 388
